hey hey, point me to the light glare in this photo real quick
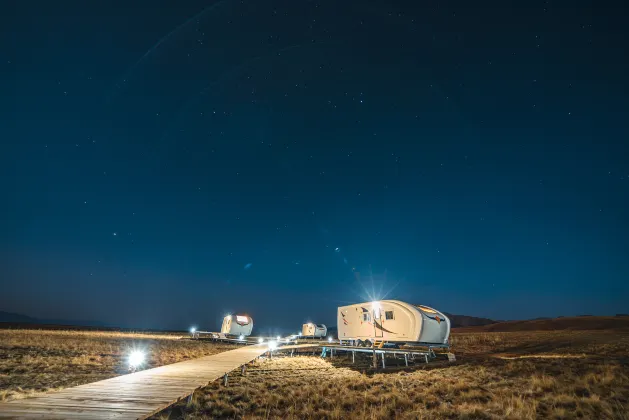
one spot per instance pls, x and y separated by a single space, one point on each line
272 345
260 340
136 358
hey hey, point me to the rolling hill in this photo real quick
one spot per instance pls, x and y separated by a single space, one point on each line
13 317
458 321
577 323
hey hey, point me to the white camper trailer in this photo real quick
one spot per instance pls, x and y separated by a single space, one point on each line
314 330
392 321
237 325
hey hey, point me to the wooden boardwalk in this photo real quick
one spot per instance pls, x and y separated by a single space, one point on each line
134 396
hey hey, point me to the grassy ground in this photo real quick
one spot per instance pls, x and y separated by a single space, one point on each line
33 361
564 374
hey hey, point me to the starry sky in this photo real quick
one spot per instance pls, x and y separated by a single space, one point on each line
165 163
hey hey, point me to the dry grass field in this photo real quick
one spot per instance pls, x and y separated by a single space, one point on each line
33 361
512 375
569 373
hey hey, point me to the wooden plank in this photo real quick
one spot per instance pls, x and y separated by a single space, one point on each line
134 396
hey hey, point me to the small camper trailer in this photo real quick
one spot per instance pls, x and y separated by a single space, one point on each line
237 325
314 330
392 321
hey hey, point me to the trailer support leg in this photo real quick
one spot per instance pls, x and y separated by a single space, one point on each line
190 398
406 359
291 353
225 379
426 357
243 370
383 366
353 357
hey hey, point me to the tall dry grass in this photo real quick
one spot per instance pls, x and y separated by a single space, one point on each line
33 361
503 376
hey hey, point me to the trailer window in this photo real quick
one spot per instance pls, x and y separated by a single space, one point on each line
366 317
388 315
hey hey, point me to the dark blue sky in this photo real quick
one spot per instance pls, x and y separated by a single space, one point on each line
164 163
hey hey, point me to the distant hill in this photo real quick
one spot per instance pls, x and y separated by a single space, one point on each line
19 319
457 321
12 317
564 323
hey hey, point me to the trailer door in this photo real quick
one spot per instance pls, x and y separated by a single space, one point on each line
377 322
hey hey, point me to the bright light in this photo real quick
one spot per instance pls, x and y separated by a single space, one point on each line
241 337
136 358
272 345
329 339
376 309
193 330
260 340
279 338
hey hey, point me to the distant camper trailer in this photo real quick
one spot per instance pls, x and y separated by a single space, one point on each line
237 325
314 330
392 321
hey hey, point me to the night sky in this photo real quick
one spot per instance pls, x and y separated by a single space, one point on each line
164 163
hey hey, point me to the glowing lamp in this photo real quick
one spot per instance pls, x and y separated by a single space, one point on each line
136 358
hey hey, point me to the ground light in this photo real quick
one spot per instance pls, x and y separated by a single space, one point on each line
136 359
241 337
329 339
272 345
193 330
260 340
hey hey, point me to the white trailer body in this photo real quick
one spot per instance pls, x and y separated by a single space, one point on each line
392 321
237 325
314 330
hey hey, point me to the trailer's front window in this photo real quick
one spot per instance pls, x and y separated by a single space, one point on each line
366 317
388 315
